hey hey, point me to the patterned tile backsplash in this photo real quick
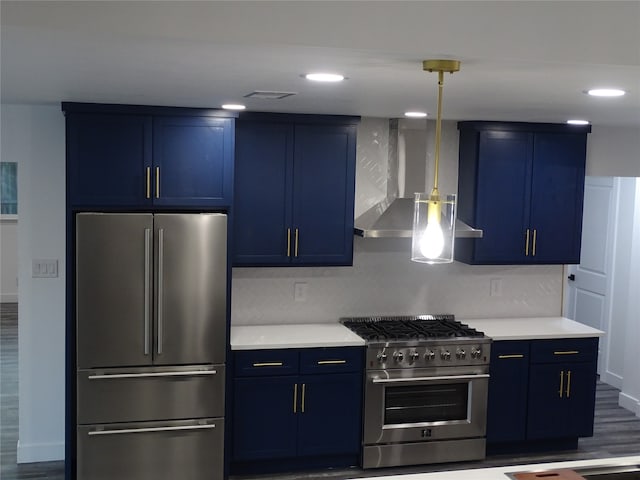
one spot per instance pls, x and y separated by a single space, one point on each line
384 281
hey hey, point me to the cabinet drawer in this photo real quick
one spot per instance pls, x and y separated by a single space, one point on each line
253 363
564 350
331 360
513 350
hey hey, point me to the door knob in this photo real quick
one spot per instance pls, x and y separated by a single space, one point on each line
572 277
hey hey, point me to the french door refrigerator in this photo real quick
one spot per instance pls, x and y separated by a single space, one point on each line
151 292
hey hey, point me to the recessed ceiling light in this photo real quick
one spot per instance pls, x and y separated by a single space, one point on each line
578 122
606 92
324 77
415 114
233 106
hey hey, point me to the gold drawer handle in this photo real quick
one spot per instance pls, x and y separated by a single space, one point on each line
295 398
268 364
510 356
567 352
331 362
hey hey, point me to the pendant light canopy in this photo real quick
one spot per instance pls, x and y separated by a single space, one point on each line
434 217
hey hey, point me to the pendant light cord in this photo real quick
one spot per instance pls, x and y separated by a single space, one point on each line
438 133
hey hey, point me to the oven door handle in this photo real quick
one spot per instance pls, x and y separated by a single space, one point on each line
430 379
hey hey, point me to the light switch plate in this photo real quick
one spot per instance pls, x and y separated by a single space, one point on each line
44 268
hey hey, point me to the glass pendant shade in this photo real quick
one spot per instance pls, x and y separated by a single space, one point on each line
434 222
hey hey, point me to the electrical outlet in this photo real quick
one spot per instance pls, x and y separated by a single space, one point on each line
495 287
300 291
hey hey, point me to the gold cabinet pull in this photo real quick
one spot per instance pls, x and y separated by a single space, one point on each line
526 245
288 242
519 355
296 246
568 383
304 385
561 383
533 250
157 182
268 364
566 352
331 362
148 182
295 398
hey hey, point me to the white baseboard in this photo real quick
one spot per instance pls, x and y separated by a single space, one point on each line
630 403
612 379
8 298
40 452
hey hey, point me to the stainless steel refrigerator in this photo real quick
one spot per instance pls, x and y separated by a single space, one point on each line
151 292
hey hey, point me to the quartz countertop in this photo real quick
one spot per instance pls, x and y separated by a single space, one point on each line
299 335
534 328
501 473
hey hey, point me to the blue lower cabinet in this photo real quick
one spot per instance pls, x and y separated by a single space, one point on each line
541 394
290 422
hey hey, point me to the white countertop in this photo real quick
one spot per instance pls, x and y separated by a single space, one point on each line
293 336
500 473
532 328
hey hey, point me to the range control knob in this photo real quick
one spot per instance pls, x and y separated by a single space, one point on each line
413 356
460 353
429 355
445 355
382 357
398 356
476 352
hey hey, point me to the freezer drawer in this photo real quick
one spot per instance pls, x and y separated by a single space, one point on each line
152 450
170 393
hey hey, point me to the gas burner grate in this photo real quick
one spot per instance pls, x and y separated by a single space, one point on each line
419 327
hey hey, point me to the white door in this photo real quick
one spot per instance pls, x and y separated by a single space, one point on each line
588 285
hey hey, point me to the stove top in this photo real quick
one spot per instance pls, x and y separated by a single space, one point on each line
420 341
410 328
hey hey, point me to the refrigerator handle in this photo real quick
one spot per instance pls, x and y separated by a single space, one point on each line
147 305
160 292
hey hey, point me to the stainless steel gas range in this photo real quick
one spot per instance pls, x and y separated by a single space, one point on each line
425 390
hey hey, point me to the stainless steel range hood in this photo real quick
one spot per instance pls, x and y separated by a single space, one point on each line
393 216
395 220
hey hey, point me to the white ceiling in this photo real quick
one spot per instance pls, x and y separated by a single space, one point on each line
521 60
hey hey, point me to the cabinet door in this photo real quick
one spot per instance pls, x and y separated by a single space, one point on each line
562 400
557 197
503 193
548 407
508 391
265 418
107 159
193 161
262 198
323 194
330 419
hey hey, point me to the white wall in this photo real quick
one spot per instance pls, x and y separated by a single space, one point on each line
613 152
33 136
630 394
8 259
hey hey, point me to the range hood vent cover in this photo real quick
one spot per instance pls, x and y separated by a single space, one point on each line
392 217
395 220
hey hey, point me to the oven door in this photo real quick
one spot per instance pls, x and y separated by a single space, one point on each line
409 405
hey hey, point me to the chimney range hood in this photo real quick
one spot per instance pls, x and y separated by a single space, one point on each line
393 216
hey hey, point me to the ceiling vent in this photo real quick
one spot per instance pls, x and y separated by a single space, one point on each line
270 95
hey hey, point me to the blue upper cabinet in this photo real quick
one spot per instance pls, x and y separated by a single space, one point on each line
523 185
143 157
193 160
107 159
294 190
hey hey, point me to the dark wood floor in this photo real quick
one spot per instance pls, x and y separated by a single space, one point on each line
617 431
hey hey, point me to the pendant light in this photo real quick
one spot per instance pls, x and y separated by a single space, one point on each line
434 217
